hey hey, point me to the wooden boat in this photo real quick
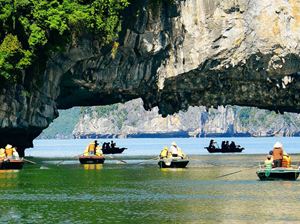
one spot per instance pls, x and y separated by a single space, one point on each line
114 150
11 164
91 159
279 173
219 150
173 163
226 148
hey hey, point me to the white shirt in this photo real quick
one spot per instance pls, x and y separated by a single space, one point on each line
173 149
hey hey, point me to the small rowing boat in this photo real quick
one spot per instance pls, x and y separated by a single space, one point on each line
225 147
11 164
115 150
91 159
219 150
279 173
173 163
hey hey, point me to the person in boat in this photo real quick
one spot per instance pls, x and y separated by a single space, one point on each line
174 149
269 162
11 152
232 145
223 145
212 144
164 153
112 144
15 153
99 151
286 160
2 154
277 154
227 145
91 149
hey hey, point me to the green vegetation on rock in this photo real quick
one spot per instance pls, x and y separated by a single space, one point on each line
33 28
62 126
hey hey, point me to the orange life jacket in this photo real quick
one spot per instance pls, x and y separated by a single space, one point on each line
9 152
286 161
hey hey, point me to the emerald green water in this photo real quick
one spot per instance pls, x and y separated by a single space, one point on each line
143 193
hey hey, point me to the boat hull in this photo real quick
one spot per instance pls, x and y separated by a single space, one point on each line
91 159
173 164
217 150
11 164
115 150
278 174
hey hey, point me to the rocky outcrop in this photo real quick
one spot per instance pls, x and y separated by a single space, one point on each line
131 120
172 55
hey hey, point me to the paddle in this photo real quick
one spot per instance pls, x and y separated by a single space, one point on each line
116 159
60 162
228 174
29 161
155 158
238 171
32 162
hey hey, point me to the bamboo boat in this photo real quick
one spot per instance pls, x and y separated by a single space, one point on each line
279 173
91 159
11 164
173 163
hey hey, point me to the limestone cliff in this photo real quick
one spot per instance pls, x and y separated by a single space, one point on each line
131 120
172 55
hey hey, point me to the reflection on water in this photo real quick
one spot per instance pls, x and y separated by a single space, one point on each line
92 166
8 178
143 193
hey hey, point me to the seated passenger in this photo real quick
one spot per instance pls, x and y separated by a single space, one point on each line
269 162
15 153
223 145
113 145
212 144
99 151
2 154
232 145
9 151
286 160
164 153
86 152
174 149
277 154
227 145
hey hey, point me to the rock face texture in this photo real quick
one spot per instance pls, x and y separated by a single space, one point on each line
131 120
172 54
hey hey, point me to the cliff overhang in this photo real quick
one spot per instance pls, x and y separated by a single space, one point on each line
172 55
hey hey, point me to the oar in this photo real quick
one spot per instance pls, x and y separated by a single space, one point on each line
29 161
32 162
228 174
155 158
60 162
116 159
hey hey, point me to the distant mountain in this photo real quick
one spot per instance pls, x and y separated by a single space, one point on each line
131 120
63 126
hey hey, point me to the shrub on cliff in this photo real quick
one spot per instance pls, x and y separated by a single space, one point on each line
30 28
